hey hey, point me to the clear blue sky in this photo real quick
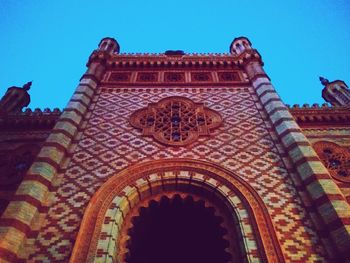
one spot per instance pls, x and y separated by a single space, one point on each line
49 42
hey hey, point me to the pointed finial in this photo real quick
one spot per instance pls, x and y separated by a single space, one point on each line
27 85
324 81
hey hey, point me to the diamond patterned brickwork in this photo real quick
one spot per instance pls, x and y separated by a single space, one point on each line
337 160
243 144
339 136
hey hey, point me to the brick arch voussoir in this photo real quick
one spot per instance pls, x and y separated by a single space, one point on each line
124 189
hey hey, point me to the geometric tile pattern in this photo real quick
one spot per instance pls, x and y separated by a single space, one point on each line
244 144
343 182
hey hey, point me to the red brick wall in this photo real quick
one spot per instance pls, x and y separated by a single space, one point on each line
245 144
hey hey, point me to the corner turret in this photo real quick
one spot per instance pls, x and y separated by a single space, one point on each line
336 92
109 45
97 60
15 99
248 58
239 45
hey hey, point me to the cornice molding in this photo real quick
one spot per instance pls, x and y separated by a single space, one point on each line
320 115
161 60
248 56
37 119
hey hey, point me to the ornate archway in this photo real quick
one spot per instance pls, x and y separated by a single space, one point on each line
105 232
175 226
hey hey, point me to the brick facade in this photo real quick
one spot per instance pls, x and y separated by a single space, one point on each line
256 166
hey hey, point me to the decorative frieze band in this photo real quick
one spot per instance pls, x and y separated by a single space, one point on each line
174 77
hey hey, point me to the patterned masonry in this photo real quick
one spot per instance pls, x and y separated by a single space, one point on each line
101 152
335 158
204 130
175 121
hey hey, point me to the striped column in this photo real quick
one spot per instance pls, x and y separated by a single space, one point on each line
326 202
19 218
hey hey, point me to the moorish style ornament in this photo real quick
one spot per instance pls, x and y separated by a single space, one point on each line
336 159
175 121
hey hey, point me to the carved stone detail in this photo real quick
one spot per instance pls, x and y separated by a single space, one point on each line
147 76
336 159
174 76
201 76
175 121
228 76
120 77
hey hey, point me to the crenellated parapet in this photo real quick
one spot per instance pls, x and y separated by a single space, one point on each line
30 119
13 117
320 115
162 60
187 60
107 64
308 106
112 57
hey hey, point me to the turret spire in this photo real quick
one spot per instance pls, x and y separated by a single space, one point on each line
335 92
15 98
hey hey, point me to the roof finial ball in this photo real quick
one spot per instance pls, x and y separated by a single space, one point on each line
109 45
239 45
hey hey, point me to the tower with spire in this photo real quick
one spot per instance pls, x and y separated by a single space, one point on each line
335 92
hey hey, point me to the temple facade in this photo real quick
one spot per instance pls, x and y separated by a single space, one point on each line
175 157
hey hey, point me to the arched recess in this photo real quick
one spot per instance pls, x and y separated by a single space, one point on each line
103 232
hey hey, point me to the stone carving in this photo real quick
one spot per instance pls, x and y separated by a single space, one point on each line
175 121
336 159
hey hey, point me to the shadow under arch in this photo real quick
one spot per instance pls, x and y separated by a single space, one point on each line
104 217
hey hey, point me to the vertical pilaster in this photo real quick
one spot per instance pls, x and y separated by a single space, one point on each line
18 220
324 200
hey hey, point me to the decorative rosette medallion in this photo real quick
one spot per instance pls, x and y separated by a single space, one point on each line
176 121
335 158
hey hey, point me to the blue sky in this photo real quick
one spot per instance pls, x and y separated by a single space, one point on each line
49 42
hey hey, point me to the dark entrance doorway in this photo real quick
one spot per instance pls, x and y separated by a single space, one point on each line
177 231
